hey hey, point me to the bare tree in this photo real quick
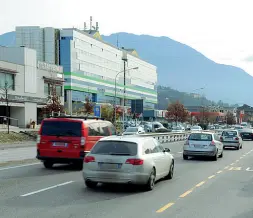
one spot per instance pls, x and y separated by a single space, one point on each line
5 90
53 100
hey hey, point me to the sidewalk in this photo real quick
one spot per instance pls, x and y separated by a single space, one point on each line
17 154
24 144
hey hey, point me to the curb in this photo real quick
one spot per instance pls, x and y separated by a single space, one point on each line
25 161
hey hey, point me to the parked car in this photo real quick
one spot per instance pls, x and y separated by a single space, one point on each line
205 144
177 129
196 129
127 160
231 138
68 140
134 131
246 134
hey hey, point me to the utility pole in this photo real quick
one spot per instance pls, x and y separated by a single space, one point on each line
124 58
7 105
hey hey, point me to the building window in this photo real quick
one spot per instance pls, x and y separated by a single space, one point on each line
7 79
47 90
59 90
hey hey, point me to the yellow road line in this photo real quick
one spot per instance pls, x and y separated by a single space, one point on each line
185 194
210 177
219 172
200 184
165 207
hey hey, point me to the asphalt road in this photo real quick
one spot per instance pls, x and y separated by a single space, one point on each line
200 188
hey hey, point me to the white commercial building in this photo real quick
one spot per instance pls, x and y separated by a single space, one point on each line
91 66
27 83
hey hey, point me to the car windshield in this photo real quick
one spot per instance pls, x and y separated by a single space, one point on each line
115 148
200 137
61 128
132 129
177 128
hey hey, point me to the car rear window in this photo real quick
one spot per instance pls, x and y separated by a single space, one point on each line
61 128
200 137
115 148
229 133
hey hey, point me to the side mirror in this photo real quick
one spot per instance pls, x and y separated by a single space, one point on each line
166 150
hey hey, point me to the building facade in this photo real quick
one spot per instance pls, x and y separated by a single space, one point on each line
92 66
26 82
44 40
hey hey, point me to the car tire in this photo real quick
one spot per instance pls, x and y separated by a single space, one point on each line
171 172
185 157
78 165
151 181
90 184
48 164
215 158
221 155
238 148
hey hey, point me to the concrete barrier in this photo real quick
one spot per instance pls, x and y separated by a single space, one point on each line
167 137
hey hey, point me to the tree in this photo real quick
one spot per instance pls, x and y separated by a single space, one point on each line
88 106
53 101
177 112
107 112
230 118
5 90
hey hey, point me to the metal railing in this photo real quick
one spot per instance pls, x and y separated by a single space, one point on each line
4 121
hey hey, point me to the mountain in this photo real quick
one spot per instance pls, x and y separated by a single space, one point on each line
181 67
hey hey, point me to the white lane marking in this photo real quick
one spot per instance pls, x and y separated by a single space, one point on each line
45 189
248 169
18 166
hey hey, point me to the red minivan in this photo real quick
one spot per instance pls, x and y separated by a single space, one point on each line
67 140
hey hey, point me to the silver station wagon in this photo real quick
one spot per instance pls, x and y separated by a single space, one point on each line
127 160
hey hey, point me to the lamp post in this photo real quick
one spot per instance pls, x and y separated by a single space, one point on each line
115 89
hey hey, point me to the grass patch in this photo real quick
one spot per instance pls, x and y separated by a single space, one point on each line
14 137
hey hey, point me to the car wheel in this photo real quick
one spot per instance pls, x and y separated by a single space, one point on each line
221 155
237 148
48 164
171 172
90 184
215 158
185 157
151 181
78 165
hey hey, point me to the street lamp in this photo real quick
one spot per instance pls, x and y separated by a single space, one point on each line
115 95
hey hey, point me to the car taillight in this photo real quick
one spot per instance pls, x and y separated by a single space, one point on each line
221 138
237 138
89 159
212 143
82 142
134 161
38 139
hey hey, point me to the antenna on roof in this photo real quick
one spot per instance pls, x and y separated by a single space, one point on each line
90 22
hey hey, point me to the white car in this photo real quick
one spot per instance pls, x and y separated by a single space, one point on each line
196 129
127 160
177 129
134 131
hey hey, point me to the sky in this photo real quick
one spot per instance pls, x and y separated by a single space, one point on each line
220 29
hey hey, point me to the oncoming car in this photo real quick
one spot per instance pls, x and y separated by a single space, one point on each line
205 144
127 160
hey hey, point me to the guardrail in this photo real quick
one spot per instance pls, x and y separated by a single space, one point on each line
167 137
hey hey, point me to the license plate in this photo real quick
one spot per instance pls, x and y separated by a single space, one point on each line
60 144
198 146
109 166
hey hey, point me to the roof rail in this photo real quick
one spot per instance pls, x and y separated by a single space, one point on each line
78 117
